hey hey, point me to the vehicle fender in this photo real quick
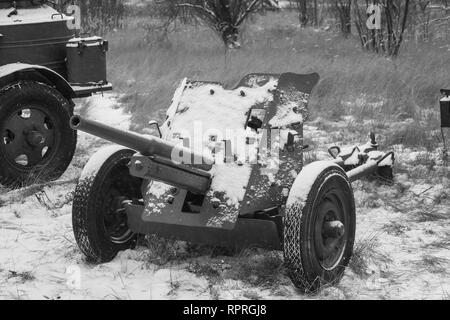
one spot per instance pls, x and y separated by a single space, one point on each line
14 72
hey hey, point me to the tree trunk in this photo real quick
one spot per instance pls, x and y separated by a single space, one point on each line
402 30
303 12
230 35
315 14
343 8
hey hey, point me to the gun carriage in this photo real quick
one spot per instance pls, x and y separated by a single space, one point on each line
247 189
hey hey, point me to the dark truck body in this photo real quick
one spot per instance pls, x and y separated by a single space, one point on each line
44 65
36 34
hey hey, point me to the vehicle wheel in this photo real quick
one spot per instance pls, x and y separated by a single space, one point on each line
319 226
98 213
36 142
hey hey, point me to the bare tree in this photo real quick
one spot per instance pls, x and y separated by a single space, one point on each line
97 16
307 11
388 37
343 10
303 12
223 16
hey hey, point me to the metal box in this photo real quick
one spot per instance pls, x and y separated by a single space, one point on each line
445 109
86 60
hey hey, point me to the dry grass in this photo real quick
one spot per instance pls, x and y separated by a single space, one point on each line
162 251
251 295
21 276
258 268
353 82
363 254
255 267
209 271
396 229
433 264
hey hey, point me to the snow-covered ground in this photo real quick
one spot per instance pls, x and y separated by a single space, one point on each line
402 249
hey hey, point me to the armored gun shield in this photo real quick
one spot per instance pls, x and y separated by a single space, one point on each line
252 132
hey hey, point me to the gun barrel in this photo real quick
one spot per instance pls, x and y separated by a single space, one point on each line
147 146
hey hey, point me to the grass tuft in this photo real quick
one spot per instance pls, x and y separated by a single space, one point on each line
22 276
363 255
259 268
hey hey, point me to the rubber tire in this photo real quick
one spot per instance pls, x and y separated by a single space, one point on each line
87 219
302 265
24 92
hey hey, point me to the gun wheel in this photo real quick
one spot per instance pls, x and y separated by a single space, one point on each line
36 142
319 232
99 216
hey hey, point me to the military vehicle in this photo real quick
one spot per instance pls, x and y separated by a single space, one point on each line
195 182
44 66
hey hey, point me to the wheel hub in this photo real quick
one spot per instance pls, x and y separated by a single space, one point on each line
116 220
35 138
28 137
333 229
329 233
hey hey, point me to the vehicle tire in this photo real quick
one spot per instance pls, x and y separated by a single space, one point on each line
37 144
319 226
98 215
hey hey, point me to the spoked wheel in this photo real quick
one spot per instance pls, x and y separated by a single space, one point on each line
99 216
319 228
36 142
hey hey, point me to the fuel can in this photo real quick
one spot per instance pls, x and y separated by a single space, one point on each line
86 61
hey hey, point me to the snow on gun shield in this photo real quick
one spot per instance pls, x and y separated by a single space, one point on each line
227 169
43 67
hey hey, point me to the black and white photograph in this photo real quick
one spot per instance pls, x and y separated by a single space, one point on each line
221 155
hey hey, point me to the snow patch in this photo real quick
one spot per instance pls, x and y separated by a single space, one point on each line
292 109
201 111
158 189
107 109
39 14
305 180
232 180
